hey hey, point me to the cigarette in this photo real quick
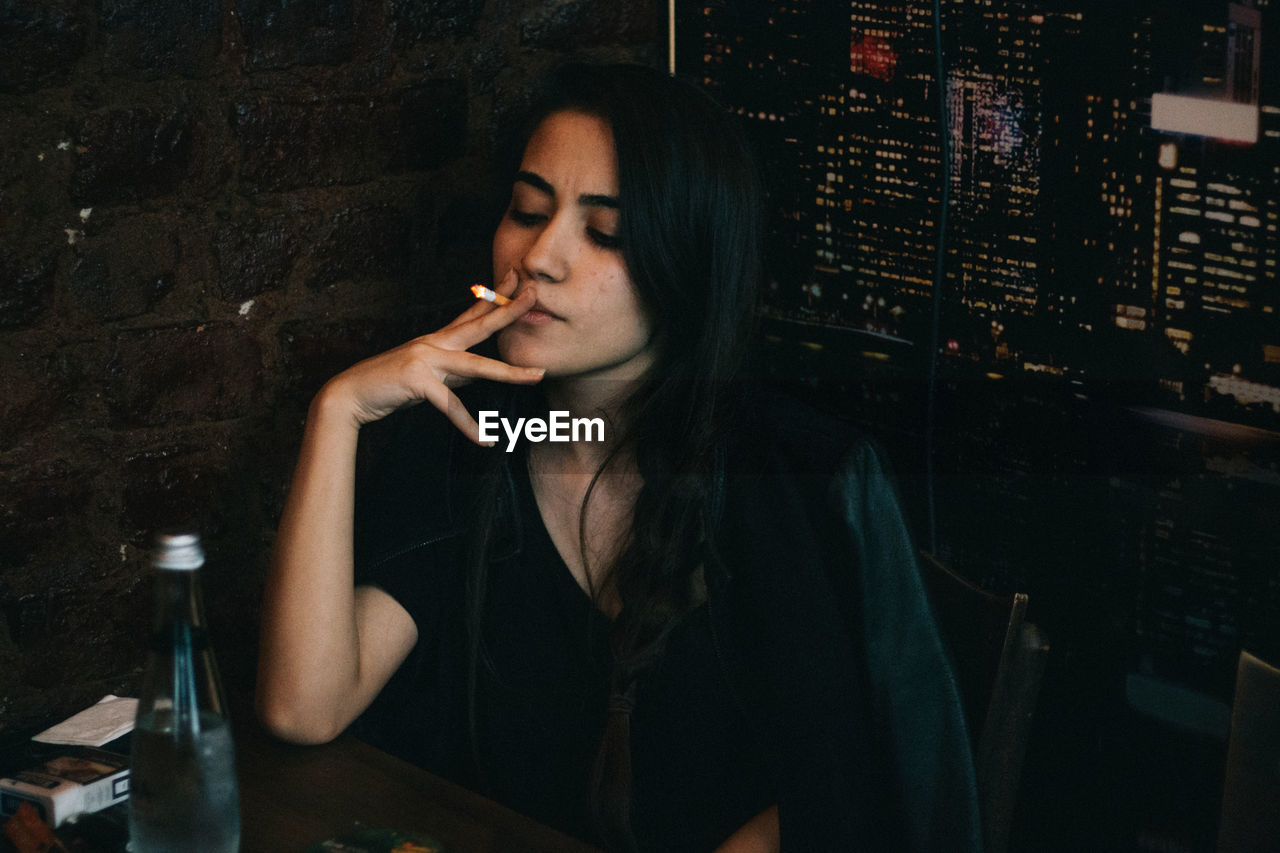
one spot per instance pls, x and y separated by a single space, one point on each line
482 292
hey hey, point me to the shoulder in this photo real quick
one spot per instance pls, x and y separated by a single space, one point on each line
774 429
795 474
800 473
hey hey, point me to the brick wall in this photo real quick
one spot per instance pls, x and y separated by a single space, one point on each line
206 211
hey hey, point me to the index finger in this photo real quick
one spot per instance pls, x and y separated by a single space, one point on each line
479 328
482 306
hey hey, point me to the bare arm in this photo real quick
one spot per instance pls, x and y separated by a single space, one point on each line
317 669
758 835
328 647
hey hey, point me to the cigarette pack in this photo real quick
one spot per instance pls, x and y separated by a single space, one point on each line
78 781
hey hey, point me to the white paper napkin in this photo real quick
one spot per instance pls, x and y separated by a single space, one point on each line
110 718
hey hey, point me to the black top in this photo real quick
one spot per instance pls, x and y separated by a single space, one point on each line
813 677
541 699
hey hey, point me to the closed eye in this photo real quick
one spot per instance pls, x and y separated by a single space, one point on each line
525 218
603 240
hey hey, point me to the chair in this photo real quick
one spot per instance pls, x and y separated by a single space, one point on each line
1251 792
999 659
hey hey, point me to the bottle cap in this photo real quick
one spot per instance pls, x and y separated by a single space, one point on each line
178 552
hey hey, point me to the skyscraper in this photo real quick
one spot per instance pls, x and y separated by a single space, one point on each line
855 141
1214 186
995 268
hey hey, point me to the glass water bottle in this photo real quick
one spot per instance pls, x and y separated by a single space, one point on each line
184 797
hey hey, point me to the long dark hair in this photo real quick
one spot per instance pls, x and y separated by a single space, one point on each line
690 226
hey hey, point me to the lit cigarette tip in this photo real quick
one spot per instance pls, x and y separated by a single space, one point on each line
482 292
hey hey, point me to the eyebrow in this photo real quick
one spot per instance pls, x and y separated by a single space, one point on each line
540 183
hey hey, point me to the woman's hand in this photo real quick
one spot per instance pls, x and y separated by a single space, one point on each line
429 367
328 648
758 835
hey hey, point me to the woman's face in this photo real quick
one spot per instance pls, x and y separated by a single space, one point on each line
560 233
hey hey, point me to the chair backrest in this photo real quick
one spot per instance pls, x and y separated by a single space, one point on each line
999 660
1251 791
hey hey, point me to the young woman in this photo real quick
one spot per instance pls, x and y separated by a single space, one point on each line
701 630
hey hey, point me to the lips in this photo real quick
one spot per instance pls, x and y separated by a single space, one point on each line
539 313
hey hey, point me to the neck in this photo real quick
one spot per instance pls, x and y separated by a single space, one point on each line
586 398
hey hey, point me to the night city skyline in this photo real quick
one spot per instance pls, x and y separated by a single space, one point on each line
1081 240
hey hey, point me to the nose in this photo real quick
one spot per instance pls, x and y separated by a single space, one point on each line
548 256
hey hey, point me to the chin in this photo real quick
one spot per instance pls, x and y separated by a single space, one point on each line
522 353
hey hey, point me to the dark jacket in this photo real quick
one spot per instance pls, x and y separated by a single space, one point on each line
817 610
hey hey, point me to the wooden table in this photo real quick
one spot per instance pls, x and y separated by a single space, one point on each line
292 796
